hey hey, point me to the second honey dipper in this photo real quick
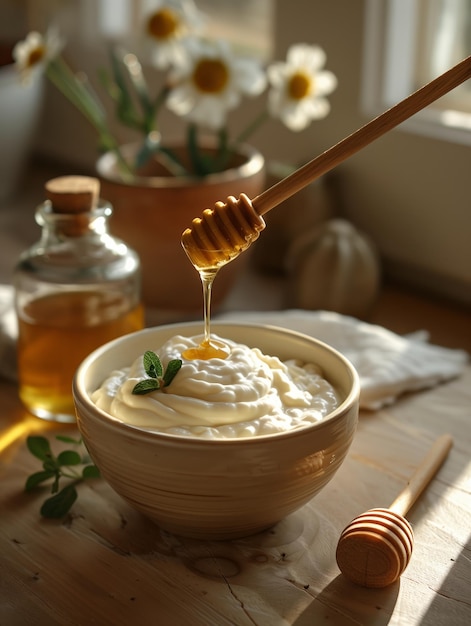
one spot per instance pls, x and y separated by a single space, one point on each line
224 231
376 547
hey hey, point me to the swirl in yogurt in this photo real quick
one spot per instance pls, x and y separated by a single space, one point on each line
247 394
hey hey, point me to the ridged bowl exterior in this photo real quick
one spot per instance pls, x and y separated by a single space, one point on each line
217 489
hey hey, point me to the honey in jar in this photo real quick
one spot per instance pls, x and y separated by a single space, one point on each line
75 289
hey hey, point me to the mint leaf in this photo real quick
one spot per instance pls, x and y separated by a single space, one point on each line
37 478
172 370
154 369
91 471
67 439
39 447
64 466
146 386
60 504
69 457
152 364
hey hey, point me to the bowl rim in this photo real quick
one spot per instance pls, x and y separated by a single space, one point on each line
81 394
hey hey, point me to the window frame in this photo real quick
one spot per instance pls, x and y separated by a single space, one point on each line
384 81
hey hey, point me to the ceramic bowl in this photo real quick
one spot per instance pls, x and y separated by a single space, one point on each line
217 489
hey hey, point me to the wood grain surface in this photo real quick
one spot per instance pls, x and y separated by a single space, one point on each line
106 564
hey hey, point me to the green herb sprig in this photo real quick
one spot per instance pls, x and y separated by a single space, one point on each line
68 464
157 377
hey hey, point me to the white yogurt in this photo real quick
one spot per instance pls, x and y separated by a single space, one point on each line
245 395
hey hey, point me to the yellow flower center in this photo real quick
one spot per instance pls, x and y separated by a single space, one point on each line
163 24
35 56
210 75
300 85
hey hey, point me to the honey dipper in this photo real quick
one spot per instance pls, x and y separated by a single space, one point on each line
376 547
221 233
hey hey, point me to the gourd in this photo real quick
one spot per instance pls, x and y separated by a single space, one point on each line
333 267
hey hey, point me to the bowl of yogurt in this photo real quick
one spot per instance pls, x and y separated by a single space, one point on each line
232 444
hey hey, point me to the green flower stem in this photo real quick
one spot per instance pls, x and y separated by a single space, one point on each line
127 72
224 153
81 96
128 88
150 109
159 101
75 90
170 160
202 162
251 128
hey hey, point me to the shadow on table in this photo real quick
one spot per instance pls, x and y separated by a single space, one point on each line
361 605
453 597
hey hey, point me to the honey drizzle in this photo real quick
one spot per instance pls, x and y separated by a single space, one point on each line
208 348
214 240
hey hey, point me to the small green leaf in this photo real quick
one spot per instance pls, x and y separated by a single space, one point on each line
60 504
36 479
146 386
67 439
152 364
69 457
172 370
91 471
39 447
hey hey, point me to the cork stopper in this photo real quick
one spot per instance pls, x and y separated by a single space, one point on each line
73 194
74 197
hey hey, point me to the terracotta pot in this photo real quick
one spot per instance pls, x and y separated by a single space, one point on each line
151 214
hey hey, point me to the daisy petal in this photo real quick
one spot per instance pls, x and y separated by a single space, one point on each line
304 55
298 87
326 83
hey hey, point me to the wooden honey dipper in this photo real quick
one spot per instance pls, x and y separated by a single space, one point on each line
376 547
222 233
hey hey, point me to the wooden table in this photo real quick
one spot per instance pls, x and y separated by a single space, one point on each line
106 564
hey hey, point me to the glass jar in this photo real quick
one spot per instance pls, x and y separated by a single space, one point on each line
75 289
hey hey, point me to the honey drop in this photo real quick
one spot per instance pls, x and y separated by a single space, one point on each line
207 350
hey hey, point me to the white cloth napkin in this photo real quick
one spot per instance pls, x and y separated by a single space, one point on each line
388 364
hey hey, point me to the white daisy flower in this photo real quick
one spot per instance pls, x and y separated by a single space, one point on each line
35 50
211 82
299 87
165 27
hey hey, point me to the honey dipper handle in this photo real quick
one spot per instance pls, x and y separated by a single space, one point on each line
424 473
374 129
